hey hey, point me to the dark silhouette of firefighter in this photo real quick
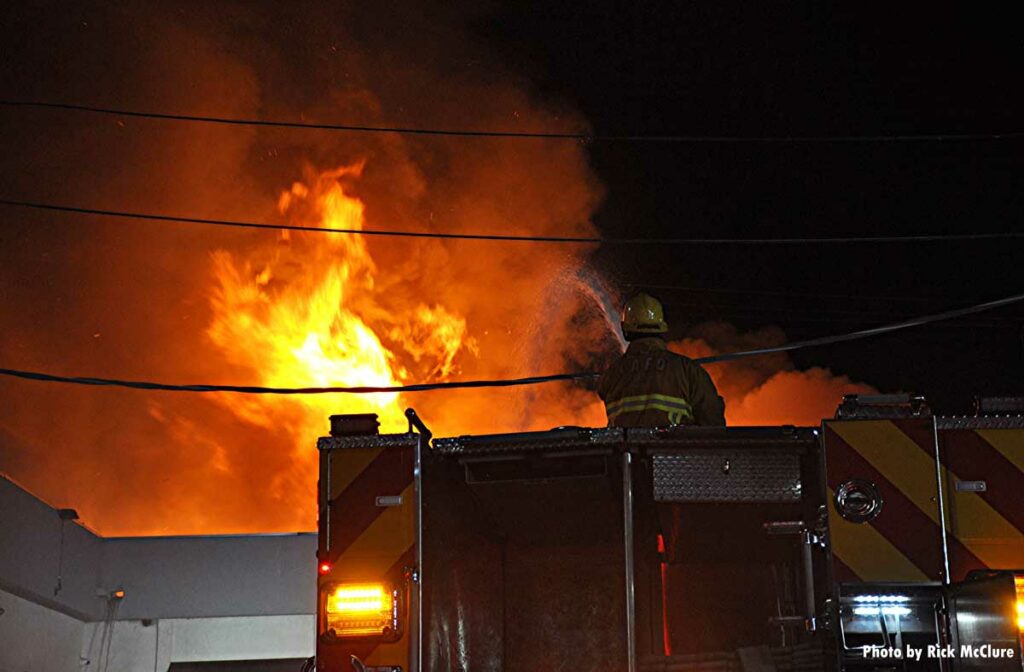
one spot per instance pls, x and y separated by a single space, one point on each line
651 386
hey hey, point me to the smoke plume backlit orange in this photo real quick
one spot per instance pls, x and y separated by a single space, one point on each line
212 305
766 390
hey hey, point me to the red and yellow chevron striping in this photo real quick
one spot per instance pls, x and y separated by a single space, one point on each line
904 541
367 533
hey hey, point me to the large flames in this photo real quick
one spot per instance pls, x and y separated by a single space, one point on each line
297 314
307 310
310 310
326 309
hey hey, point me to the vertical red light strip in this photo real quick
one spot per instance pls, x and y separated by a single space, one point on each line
664 597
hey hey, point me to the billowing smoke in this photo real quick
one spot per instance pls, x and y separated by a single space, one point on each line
767 389
180 303
131 299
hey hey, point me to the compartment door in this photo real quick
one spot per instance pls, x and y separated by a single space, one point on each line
983 483
883 500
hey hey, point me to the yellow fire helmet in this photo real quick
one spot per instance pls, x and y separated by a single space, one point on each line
643 315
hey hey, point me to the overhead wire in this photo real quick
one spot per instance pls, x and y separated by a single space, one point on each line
781 293
512 238
827 312
865 333
531 380
509 238
467 133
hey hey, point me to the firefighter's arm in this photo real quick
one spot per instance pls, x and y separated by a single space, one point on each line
602 391
604 383
708 405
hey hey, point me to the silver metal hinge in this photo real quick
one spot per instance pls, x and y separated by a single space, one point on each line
971 486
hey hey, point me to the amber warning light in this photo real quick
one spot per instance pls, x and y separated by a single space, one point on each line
361 610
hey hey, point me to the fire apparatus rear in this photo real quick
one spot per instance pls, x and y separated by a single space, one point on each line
886 538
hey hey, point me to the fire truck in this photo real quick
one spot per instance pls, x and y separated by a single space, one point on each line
887 538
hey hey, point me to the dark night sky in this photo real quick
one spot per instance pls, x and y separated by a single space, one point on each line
763 69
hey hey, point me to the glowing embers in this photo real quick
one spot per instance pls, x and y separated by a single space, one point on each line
361 610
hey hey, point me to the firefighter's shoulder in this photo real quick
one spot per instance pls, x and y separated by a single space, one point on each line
691 368
683 360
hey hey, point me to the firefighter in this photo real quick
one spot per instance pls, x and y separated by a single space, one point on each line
650 386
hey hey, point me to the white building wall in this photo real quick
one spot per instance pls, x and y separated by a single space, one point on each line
139 646
186 599
32 555
34 638
121 645
242 638
211 576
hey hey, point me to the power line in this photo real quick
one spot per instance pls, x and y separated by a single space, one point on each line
258 389
865 333
761 292
532 380
586 137
290 227
691 307
511 238
758 320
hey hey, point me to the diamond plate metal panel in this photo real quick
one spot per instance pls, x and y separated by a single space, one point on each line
981 422
685 437
567 439
367 441
727 476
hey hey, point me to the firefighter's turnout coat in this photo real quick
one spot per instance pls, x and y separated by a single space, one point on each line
650 386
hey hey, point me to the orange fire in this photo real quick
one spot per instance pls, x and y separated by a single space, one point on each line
306 311
148 302
331 309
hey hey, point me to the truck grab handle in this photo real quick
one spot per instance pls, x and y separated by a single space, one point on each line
414 421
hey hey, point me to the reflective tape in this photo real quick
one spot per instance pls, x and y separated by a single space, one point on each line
370 506
898 456
677 408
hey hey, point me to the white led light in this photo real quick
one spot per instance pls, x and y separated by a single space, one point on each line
881 611
895 611
881 599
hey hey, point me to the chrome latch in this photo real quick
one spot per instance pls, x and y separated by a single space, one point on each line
359 666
